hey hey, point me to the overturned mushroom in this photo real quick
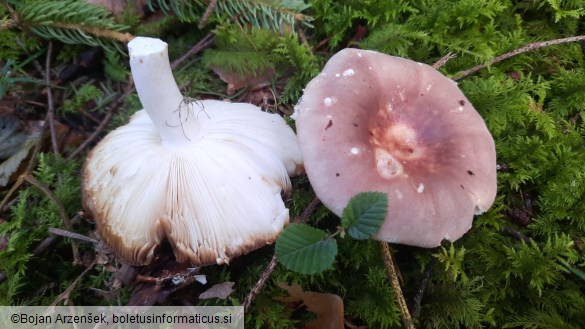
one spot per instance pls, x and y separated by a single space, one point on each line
206 175
373 122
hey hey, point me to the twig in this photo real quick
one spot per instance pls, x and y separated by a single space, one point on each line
12 13
393 276
421 291
62 213
13 189
208 11
207 41
33 181
260 283
302 218
350 325
71 235
48 241
443 60
124 37
309 210
50 105
527 48
115 104
516 234
64 296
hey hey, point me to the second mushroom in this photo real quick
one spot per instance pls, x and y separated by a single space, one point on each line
373 122
206 175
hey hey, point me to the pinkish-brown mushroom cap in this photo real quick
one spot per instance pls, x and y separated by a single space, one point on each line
373 122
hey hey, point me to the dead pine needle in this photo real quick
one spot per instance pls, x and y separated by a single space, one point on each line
393 276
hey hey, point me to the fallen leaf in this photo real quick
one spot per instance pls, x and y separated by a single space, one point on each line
16 141
117 7
236 81
327 307
221 291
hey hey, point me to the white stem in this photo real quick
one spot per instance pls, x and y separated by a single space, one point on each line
157 89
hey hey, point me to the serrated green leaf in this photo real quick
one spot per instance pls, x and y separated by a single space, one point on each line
305 249
364 214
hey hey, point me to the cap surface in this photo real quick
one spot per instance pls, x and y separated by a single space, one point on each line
373 122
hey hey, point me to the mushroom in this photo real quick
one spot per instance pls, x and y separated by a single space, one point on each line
206 175
373 122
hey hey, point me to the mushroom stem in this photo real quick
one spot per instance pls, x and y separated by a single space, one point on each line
157 89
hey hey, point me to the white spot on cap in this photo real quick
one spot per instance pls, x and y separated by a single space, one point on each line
329 116
329 101
359 54
388 166
419 64
369 67
348 72
420 188
401 96
337 75
389 107
429 87
354 150
398 194
460 109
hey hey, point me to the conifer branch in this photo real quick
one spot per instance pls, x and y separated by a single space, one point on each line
8 24
207 13
529 47
98 32
269 14
70 21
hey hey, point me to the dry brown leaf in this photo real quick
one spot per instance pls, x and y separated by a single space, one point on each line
17 140
221 291
327 307
235 81
117 7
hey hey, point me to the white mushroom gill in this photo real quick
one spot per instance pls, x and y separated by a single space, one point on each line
207 175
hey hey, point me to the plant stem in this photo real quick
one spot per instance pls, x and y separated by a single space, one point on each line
393 276
525 49
303 218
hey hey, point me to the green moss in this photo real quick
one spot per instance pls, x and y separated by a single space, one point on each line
520 265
